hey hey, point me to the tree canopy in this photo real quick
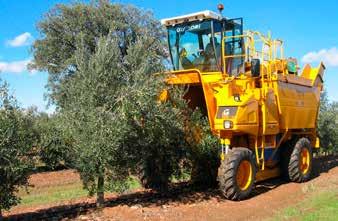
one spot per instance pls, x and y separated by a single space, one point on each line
65 27
17 140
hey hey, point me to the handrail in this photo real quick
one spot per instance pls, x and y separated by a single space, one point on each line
268 52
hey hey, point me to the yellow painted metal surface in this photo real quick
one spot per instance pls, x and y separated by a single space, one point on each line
317 144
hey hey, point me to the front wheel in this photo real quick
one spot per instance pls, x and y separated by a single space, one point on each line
237 173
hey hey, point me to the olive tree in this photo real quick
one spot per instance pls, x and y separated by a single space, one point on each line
16 140
114 114
327 124
91 118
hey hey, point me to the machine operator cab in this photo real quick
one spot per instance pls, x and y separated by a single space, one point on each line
195 42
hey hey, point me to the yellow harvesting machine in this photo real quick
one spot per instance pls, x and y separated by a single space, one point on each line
259 104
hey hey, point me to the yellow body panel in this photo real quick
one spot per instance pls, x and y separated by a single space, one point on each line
299 104
274 107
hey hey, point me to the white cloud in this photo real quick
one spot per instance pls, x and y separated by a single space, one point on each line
21 40
14 67
328 56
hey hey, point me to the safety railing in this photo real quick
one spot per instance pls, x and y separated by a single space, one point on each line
269 49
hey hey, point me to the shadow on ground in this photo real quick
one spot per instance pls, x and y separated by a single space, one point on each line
182 193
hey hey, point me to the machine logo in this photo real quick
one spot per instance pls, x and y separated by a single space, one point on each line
188 28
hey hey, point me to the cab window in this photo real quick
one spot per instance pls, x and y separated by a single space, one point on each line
193 46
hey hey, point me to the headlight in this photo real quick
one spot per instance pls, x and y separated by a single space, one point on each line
225 112
227 124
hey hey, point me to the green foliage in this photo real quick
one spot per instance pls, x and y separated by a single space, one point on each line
327 125
157 139
52 146
55 145
65 27
203 151
15 146
112 109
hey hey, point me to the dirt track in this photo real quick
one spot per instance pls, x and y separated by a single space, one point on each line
185 204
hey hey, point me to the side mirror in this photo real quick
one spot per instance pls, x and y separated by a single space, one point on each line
255 68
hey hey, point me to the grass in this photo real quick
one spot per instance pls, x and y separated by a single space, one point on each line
125 186
320 205
53 194
134 183
65 192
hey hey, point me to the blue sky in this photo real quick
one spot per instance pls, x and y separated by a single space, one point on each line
308 28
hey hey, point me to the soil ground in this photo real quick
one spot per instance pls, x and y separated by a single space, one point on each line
182 202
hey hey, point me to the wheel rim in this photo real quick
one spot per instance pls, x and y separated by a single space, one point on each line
244 175
304 160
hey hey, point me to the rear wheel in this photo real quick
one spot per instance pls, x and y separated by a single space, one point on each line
237 174
300 165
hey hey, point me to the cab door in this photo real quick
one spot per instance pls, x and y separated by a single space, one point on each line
233 49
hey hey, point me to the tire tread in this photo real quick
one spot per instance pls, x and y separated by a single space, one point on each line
227 174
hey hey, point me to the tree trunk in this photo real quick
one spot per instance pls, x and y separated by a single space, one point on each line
100 192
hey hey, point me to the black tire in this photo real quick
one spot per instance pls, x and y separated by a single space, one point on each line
227 174
286 151
295 171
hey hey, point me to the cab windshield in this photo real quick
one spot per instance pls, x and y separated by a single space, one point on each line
196 45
